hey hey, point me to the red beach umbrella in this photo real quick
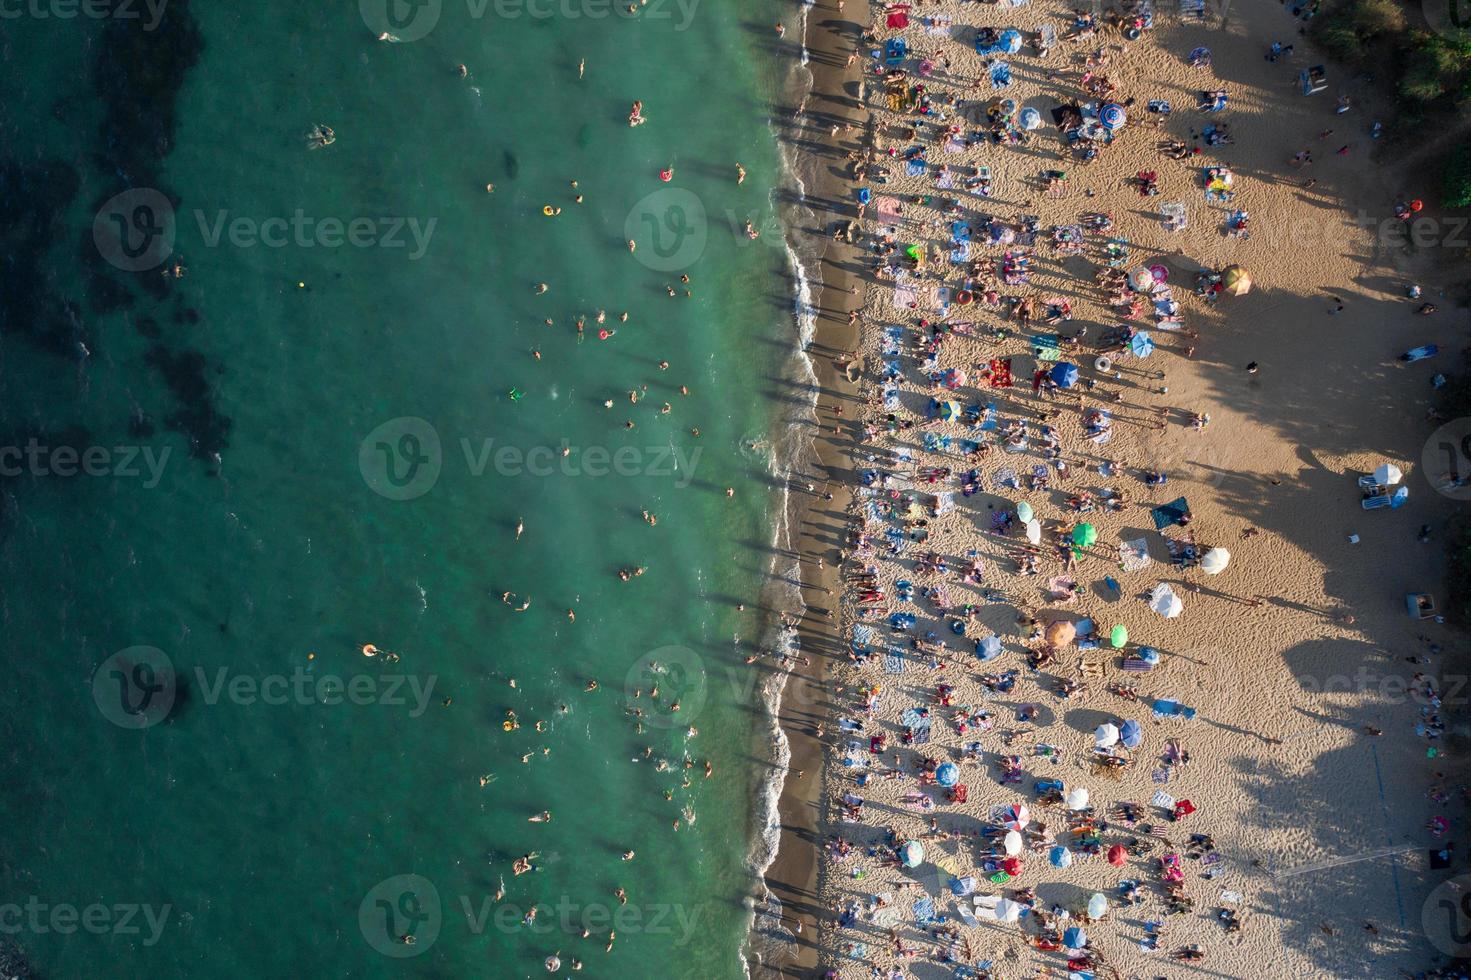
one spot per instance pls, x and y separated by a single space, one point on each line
1012 866
1117 855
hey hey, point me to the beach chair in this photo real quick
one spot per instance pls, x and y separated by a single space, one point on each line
1313 80
1192 9
1173 216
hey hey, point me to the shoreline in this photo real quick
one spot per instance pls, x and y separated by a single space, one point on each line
792 877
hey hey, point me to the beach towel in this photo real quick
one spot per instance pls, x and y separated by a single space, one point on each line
1162 799
1047 347
955 144
989 421
893 662
1000 378
906 293
898 17
915 166
921 732
888 208
863 635
1005 477
1134 555
1174 512
1000 75
924 910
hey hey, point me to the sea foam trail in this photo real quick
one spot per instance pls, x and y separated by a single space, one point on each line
768 940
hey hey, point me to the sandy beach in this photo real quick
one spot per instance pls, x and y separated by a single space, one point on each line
1311 691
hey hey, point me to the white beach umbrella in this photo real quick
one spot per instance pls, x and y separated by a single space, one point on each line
1007 910
1164 601
1034 531
1077 799
1012 842
1106 736
1214 561
1387 474
1141 279
1097 905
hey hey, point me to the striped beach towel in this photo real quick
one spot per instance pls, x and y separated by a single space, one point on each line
924 910
893 662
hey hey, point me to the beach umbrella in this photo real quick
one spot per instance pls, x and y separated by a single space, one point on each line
1113 116
1010 40
1060 634
953 378
1016 817
1131 733
1105 736
1214 561
988 647
1117 855
912 854
1075 938
1084 535
1077 799
1012 842
962 886
1024 512
947 411
1236 280
1064 375
1008 108
1060 857
1034 531
1097 905
1141 279
1398 498
1030 118
1387 475
1149 655
947 774
1142 345
1118 636
1007 910
1164 601
1161 273
1012 866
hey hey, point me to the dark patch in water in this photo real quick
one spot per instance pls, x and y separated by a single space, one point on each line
184 371
148 327
513 166
186 315
33 198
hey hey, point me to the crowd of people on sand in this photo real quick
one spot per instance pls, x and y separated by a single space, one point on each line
954 325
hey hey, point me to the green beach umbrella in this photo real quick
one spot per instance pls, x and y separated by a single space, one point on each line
1084 535
1024 511
1118 636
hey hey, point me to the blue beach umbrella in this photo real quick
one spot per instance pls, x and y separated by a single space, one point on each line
1075 938
912 854
1010 40
1401 494
864 195
988 647
1142 345
1030 118
948 774
1131 734
1149 655
1064 375
1112 116
1024 512
1060 857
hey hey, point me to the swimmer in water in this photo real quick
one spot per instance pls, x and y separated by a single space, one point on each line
571 616
622 895
591 686
650 519
581 66
541 287
740 174
520 526
487 779
632 244
544 816
628 855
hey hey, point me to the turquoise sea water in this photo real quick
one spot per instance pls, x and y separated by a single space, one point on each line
268 824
